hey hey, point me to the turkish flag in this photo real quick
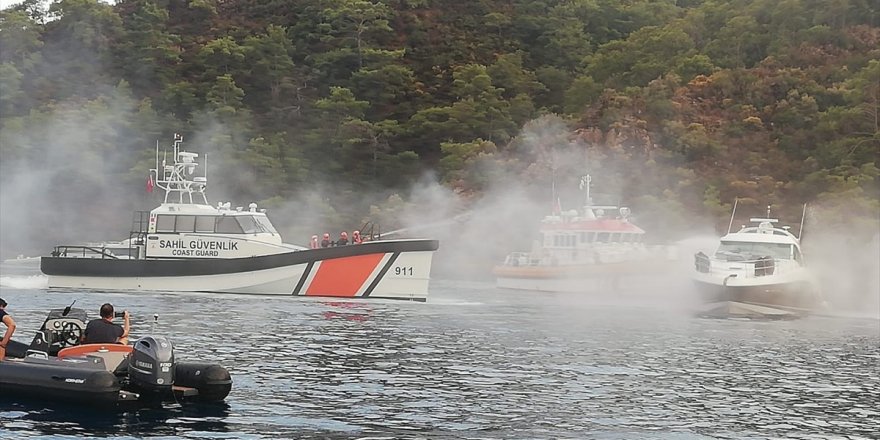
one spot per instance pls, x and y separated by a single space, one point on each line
150 183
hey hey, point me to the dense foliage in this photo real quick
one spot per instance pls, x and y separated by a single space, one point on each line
679 106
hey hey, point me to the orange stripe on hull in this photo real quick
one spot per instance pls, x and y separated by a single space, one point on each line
343 276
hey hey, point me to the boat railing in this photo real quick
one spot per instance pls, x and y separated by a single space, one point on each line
371 231
78 251
522 259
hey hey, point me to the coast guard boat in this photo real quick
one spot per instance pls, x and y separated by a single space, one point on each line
593 249
757 271
186 244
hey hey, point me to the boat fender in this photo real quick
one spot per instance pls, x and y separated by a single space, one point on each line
59 381
211 380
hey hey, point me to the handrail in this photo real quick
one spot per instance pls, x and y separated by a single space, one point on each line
64 251
751 268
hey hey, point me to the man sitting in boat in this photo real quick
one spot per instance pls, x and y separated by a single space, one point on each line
343 239
104 331
325 241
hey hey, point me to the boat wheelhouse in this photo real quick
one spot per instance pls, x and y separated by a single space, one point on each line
186 244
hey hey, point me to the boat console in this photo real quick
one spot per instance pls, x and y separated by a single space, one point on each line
62 328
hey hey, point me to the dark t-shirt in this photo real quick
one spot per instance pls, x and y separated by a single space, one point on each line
2 314
100 331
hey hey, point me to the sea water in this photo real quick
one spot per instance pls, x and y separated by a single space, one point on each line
476 362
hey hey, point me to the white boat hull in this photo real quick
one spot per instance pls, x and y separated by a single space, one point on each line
393 274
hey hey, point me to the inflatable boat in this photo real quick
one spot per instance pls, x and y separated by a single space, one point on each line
55 367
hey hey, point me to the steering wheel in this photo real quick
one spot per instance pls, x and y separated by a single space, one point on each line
71 334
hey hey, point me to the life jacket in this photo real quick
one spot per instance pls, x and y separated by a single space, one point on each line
314 242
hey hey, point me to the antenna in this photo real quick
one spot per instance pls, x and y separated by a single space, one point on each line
803 216
157 161
768 211
585 185
730 225
67 309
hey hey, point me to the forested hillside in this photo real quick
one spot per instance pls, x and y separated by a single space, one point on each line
678 107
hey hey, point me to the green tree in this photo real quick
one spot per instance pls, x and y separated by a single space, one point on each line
272 76
222 56
148 52
19 38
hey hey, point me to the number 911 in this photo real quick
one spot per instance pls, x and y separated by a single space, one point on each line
403 271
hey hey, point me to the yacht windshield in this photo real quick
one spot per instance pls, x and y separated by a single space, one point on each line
743 251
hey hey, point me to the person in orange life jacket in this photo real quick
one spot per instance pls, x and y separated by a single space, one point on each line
314 242
343 239
104 331
6 318
325 241
356 237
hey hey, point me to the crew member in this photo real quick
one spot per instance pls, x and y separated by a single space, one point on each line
314 243
343 239
325 241
104 331
6 318
356 237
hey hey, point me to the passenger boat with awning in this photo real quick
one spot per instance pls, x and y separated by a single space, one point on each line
186 244
594 249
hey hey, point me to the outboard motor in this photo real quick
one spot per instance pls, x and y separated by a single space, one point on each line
151 368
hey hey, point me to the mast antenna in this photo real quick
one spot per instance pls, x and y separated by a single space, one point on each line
801 229
732 214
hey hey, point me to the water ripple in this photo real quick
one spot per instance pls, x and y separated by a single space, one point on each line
483 364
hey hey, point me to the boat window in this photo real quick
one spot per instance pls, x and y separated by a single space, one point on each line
615 237
165 223
604 237
797 256
205 223
248 224
591 237
572 240
745 251
266 224
185 223
227 225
